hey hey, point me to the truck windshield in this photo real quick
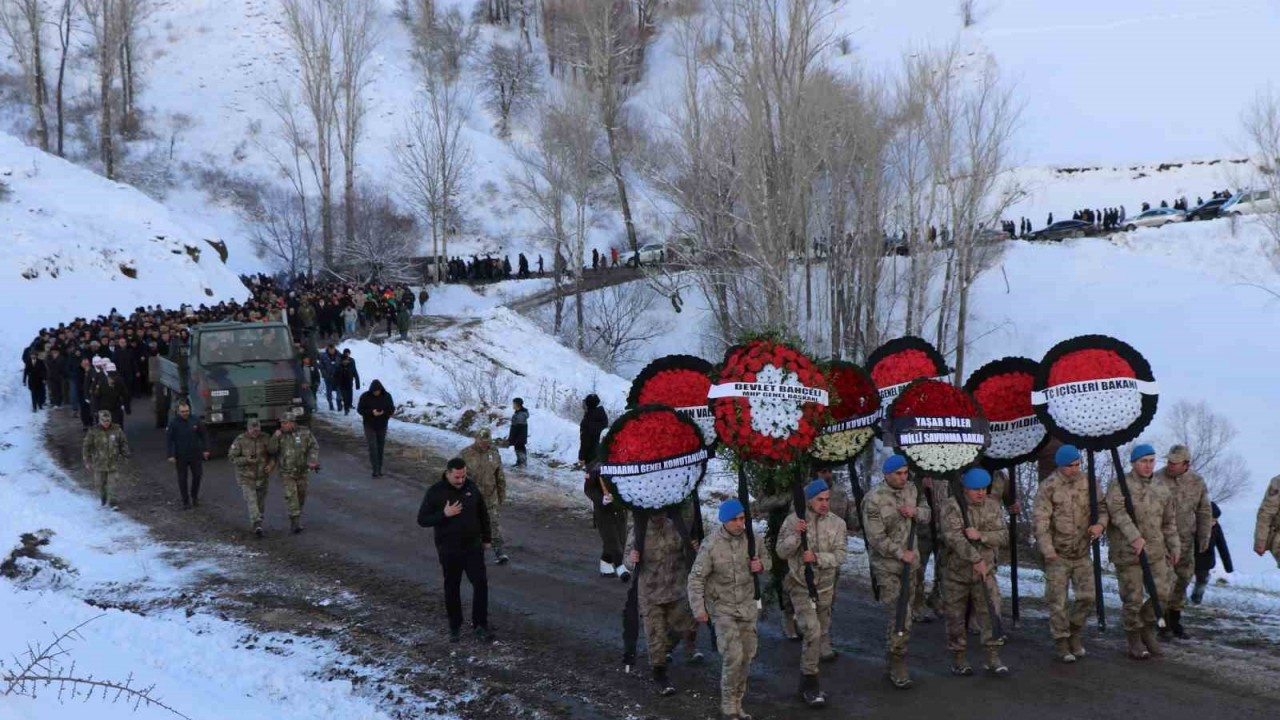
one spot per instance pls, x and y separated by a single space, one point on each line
269 344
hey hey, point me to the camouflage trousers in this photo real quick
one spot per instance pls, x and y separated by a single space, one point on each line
495 523
737 642
255 497
918 599
662 622
814 623
106 482
1058 575
960 591
1183 575
890 587
295 492
1138 610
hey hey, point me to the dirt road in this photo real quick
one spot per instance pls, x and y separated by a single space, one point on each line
366 576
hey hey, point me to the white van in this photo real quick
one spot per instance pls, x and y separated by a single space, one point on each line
1249 202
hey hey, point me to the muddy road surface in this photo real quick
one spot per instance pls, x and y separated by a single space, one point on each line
364 575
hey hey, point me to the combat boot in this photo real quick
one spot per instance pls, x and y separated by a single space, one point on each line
1197 594
1148 635
960 664
1062 651
663 681
1076 643
1137 650
898 671
1175 624
993 664
295 525
810 692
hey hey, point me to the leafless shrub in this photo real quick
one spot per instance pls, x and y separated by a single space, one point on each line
1208 435
1261 125
620 322
382 244
969 12
474 387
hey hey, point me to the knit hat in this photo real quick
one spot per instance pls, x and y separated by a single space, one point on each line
1066 455
1141 451
976 479
730 509
1178 454
814 488
893 464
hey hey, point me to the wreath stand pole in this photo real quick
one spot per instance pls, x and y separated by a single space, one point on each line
1097 546
1147 578
997 628
1013 545
904 584
745 498
797 495
700 532
631 611
933 537
858 496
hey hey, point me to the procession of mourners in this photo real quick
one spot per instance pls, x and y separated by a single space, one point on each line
1157 518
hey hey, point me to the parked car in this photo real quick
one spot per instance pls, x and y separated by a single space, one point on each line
1155 217
1207 210
649 254
1064 229
986 236
1249 202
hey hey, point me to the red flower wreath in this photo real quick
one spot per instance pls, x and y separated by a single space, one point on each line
902 360
853 412
1095 392
653 457
938 427
1003 391
768 402
680 382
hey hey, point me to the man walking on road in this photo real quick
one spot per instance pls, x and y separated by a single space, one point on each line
455 508
328 364
484 467
1266 534
1194 514
721 590
887 514
663 602
1063 533
376 408
826 536
187 444
518 436
104 448
250 455
1154 528
344 376
972 550
297 452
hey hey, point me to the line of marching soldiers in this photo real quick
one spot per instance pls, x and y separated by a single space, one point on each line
1165 525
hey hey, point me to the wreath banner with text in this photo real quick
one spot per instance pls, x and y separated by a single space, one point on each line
852 414
768 401
937 427
653 458
681 382
1003 389
1095 392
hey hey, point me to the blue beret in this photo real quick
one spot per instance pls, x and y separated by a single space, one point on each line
1066 455
817 486
1141 451
730 509
894 463
976 478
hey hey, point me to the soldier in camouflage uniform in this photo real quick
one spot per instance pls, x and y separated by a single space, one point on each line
251 457
1063 534
721 590
1266 534
826 535
484 467
1194 515
664 604
887 512
929 542
104 448
1153 527
297 452
972 550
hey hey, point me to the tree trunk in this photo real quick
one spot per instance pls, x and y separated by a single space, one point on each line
64 41
41 90
105 144
615 166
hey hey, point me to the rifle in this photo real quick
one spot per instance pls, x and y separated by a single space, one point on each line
701 533
858 496
1148 579
904 588
797 493
745 499
1097 546
631 611
997 628
933 537
1013 544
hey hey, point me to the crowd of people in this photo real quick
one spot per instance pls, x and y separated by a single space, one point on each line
1105 219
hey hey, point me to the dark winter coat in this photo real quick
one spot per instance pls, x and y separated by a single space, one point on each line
186 439
345 375
594 422
370 402
55 368
1207 560
109 396
519 433
466 531
126 363
33 372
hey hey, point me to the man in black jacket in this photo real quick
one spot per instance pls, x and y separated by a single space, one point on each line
345 375
518 436
376 408
187 444
456 509
594 422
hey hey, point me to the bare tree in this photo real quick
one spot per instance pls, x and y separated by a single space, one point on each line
435 161
511 81
359 35
281 230
968 11
107 35
1261 125
1209 435
312 29
132 14
293 151
64 48
442 44
383 245
23 24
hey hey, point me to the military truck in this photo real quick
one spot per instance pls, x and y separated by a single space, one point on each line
231 372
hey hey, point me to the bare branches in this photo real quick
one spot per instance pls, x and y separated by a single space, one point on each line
1208 435
511 81
1261 125
45 666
